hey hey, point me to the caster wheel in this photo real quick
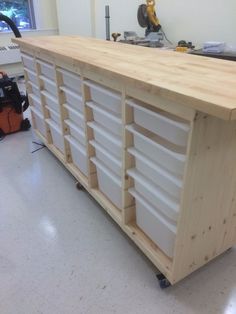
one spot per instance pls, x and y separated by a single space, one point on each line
79 186
163 282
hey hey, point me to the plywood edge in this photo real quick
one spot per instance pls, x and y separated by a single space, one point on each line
233 114
111 209
206 224
150 249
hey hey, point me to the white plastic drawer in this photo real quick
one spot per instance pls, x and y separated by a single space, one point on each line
161 124
79 155
46 69
106 118
75 116
54 116
73 99
158 229
35 102
156 173
71 80
107 158
154 149
112 142
108 183
77 132
51 101
32 77
105 96
160 200
34 89
49 85
57 137
28 61
39 121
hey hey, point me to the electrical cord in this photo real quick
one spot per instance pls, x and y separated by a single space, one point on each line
166 37
39 144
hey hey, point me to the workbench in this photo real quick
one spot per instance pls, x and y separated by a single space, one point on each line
150 134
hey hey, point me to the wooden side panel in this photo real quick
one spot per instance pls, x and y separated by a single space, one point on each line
208 218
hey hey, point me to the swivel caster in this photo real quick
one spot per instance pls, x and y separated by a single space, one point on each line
79 186
163 281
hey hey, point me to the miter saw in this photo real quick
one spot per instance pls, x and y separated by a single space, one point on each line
148 19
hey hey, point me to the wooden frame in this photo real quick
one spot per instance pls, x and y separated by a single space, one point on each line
209 184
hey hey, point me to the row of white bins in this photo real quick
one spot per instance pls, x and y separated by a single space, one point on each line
71 81
104 96
163 124
35 102
159 150
75 121
56 133
78 154
157 228
46 69
73 99
38 120
105 105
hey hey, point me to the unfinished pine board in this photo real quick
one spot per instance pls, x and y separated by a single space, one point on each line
198 91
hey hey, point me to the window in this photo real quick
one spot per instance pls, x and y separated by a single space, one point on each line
20 11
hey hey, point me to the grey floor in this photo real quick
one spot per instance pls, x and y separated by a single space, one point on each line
60 253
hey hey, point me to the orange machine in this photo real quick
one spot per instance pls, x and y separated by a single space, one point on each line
12 106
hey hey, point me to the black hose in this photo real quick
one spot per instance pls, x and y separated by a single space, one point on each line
12 25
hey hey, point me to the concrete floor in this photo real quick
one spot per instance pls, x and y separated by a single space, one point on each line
60 253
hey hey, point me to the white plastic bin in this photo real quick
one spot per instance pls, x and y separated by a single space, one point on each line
106 118
155 195
28 61
154 149
32 77
57 137
157 228
157 174
35 102
77 132
160 123
54 116
107 158
108 183
47 69
112 142
51 101
73 99
75 116
79 155
34 89
49 85
105 96
39 121
71 80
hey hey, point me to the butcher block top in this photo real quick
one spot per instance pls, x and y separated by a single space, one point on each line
205 84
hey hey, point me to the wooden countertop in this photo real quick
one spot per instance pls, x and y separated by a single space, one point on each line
205 84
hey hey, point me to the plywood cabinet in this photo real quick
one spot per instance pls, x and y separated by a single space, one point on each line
160 162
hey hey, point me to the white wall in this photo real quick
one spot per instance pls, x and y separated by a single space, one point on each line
199 20
195 20
74 17
45 14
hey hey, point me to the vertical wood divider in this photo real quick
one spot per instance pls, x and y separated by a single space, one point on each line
128 212
42 101
29 91
88 116
63 114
